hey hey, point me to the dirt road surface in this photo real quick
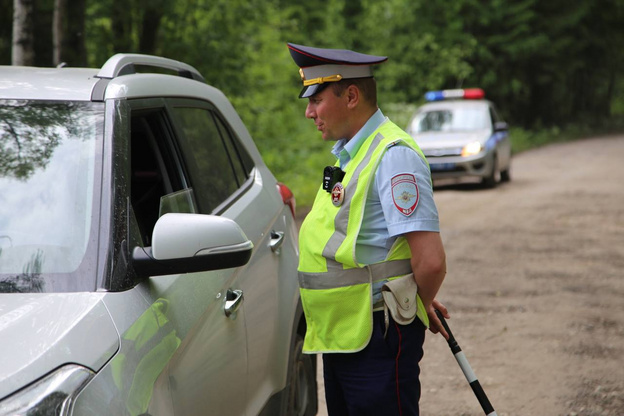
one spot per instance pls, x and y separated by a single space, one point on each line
535 288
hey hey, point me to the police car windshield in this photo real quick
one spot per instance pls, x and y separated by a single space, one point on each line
459 119
48 172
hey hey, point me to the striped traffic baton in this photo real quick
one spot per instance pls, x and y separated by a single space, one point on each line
465 366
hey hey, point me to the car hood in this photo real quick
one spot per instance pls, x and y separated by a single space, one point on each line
437 140
41 332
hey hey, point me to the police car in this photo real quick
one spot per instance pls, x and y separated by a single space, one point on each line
148 256
463 136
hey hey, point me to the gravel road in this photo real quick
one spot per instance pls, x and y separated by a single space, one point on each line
535 287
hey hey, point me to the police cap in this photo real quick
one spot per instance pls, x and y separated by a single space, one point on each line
318 66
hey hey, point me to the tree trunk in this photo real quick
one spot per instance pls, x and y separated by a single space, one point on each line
68 33
58 30
122 26
23 46
152 15
75 50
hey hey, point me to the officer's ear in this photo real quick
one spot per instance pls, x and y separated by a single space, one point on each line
353 96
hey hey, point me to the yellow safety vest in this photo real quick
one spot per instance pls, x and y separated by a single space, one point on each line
336 290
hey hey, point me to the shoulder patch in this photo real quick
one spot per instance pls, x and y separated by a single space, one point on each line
405 193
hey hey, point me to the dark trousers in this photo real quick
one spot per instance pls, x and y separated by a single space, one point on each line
380 380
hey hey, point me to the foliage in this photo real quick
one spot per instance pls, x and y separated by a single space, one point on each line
548 65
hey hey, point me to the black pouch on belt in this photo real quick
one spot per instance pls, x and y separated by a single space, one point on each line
399 297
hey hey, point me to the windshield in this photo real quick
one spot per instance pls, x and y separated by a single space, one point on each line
48 170
456 119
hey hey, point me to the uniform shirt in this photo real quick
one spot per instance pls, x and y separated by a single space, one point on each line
382 222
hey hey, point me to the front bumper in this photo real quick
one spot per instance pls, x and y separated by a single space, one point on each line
477 166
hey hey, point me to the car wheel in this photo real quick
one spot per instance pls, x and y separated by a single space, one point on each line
302 389
494 176
506 175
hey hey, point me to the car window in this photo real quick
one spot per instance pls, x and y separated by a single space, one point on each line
215 166
195 167
241 161
49 170
158 182
494 115
453 118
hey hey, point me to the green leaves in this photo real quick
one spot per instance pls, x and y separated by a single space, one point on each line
545 63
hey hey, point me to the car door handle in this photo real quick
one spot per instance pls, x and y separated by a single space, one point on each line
233 301
277 239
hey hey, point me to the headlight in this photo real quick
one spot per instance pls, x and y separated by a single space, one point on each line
52 395
471 149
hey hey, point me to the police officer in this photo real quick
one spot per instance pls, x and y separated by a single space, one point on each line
373 221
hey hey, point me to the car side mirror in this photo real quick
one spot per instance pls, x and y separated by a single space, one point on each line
188 243
501 126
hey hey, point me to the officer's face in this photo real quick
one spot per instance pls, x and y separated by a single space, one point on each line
330 114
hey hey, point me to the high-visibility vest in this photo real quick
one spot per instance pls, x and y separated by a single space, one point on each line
336 290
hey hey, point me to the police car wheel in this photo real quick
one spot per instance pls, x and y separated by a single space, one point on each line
494 176
302 390
506 175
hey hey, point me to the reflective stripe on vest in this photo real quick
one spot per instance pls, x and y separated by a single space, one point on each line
350 277
336 291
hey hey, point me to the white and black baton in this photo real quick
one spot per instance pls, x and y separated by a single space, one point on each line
465 366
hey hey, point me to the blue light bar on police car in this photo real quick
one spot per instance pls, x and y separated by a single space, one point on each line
466 94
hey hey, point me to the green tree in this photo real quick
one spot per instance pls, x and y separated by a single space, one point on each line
547 63
424 43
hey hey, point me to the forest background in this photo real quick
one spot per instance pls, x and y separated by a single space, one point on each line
554 68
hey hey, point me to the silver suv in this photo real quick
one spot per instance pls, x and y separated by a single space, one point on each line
147 255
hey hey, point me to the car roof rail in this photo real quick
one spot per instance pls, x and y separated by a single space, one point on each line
125 64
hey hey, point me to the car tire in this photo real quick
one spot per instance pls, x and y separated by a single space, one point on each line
494 177
506 175
302 388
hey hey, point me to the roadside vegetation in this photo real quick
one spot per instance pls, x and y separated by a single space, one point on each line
554 68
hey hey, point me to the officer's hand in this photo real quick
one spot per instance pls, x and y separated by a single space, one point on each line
435 325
